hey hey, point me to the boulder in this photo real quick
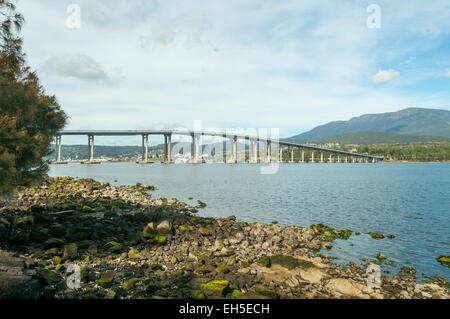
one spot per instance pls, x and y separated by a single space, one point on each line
17 277
288 262
70 252
164 227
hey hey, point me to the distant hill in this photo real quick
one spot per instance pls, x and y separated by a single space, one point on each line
368 138
81 151
417 121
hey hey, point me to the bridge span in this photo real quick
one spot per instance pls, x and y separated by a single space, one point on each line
308 152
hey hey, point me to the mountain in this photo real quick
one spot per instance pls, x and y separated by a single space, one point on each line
417 121
367 138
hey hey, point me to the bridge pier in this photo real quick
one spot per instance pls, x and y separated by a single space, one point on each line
339 159
144 148
195 151
303 155
253 151
312 157
268 152
292 154
91 149
330 158
321 157
280 154
346 159
168 148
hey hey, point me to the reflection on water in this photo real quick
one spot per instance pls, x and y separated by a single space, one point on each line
410 201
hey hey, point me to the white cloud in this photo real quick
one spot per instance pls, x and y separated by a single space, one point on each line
384 76
448 74
78 66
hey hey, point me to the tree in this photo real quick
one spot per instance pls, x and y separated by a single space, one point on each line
29 118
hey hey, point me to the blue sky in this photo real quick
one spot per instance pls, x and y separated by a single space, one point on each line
288 64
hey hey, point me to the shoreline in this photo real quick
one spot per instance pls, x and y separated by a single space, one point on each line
128 244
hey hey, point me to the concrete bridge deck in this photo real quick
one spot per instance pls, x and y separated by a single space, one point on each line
233 137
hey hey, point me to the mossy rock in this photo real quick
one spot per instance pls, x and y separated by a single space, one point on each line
57 260
106 279
288 262
184 228
25 220
357 233
130 284
198 295
222 268
376 235
390 236
86 209
218 288
162 239
236 294
113 246
267 293
444 260
264 261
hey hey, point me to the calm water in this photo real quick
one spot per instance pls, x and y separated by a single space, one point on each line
411 201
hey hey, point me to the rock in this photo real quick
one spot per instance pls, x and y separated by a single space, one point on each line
348 287
17 278
264 261
70 252
165 227
106 279
204 231
288 262
381 257
149 231
216 288
4 229
444 260
313 275
267 293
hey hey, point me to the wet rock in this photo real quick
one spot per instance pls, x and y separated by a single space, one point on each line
106 279
17 277
288 262
216 288
204 231
70 252
264 261
165 227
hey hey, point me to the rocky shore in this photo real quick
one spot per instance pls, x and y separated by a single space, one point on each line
120 242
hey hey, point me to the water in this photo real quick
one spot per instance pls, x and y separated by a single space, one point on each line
410 201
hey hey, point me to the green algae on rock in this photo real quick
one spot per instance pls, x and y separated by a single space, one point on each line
444 260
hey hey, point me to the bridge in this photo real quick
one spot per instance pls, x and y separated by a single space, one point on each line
308 152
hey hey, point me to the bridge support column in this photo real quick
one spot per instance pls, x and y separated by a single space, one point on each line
168 148
194 149
58 148
91 148
346 159
145 148
354 160
235 159
331 158
339 159
280 154
292 154
253 151
374 160
268 152
312 157
321 157
303 156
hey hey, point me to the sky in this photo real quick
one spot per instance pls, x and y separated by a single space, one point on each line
291 64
